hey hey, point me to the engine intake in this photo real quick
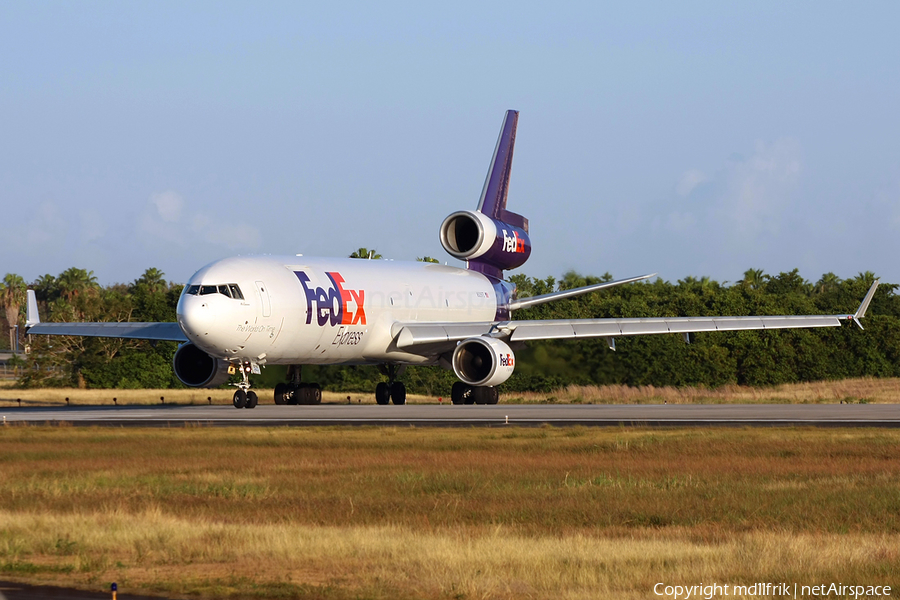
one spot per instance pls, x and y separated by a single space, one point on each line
195 368
472 235
483 361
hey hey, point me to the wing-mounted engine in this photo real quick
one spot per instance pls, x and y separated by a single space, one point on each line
474 236
195 368
481 361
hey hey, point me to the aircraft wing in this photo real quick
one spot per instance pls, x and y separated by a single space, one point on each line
163 332
169 332
433 337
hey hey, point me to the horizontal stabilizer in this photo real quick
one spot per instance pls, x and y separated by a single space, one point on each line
534 300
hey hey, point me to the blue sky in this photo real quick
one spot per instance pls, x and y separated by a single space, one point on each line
683 138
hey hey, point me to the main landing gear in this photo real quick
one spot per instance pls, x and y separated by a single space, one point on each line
392 390
296 392
462 393
243 397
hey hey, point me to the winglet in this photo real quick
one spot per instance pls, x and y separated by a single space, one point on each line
864 305
32 317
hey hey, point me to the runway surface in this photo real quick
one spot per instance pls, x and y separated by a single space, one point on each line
658 415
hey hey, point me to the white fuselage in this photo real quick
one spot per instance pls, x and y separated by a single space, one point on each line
298 310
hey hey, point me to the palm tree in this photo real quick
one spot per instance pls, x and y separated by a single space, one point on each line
45 287
829 282
12 291
428 259
74 282
154 279
366 253
754 279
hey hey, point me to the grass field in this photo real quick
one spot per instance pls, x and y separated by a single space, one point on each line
426 513
867 390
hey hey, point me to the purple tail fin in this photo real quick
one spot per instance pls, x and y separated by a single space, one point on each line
491 239
496 185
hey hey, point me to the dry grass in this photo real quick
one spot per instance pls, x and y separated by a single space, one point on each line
169 555
868 390
10 396
409 513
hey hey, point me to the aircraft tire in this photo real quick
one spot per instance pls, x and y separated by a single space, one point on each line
314 394
252 400
382 393
398 393
486 395
479 395
281 393
240 399
493 395
460 393
299 395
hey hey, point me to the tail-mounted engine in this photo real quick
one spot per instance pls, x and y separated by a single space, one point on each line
474 236
195 368
483 361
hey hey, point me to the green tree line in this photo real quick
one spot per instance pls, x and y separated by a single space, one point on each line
711 359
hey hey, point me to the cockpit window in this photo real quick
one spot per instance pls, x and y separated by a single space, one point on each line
230 290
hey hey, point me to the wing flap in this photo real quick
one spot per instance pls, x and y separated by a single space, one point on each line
413 334
523 331
439 337
167 332
410 335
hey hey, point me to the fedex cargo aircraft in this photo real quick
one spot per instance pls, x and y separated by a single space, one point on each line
240 314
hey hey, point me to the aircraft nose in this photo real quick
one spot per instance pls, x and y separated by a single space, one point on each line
195 316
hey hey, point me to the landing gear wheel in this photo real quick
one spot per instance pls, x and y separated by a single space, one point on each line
240 399
308 393
252 400
461 393
398 393
314 394
493 396
382 393
282 394
298 395
485 395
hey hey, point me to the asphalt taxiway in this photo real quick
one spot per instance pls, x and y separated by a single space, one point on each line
500 415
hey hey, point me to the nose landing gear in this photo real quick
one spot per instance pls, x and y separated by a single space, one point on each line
243 397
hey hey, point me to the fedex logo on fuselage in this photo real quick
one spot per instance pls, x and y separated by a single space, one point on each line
513 243
333 304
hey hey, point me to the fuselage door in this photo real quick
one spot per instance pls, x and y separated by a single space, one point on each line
264 299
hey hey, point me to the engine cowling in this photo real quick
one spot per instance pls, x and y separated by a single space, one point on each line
195 368
472 235
483 361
